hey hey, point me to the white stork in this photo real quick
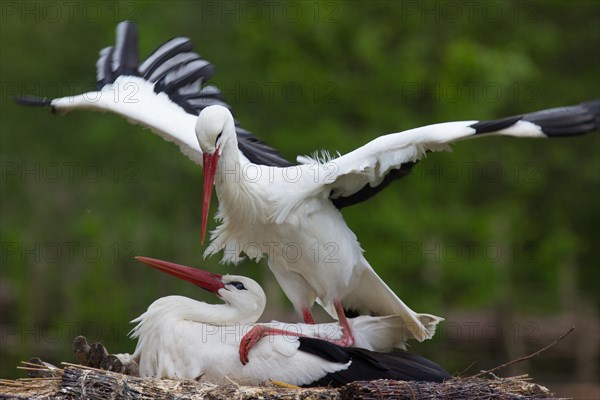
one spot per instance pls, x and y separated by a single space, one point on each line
290 213
295 206
376 333
181 338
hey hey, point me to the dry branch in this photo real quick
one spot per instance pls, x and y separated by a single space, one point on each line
79 382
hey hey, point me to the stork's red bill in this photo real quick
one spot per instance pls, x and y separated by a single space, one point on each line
210 167
204 279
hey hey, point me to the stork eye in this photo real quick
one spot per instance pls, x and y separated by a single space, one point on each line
238 285
218 137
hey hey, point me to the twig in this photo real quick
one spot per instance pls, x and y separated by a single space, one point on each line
40 368
564 335
232 381
34 365
466 369
68 364
8 382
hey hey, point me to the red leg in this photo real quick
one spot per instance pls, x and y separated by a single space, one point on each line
254 335
307 316
347 339
260 331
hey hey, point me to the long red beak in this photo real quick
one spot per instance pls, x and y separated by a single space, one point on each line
210 167
206 280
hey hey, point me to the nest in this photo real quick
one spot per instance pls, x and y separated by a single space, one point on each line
85 382
80 382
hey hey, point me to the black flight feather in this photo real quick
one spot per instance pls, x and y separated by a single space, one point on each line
165 52
324 349
195 90
171 65
104 70
371 365
184 74
369 191
258 151
32 101
210 91
562 121
567 121
125 56
495 125
196 104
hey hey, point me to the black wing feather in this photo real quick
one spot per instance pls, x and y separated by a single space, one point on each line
171 65
125 56
195 91
33 101
195 105
104 67
102 70
562 121
369 191
495 125
183 75
165 52
370 365
568 121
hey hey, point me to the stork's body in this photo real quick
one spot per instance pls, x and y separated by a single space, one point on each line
309 247
181 338
286 214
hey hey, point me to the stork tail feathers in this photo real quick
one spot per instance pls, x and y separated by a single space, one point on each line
374 297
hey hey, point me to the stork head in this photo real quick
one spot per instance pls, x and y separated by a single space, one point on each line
240 292
214 128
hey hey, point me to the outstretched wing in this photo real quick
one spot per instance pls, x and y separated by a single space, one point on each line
165 93
362 173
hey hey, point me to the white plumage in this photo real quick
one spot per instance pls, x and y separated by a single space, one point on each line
181 338
177 341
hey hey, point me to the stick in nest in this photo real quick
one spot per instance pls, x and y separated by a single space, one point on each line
520 359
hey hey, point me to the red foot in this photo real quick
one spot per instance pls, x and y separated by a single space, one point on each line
254 335
347 339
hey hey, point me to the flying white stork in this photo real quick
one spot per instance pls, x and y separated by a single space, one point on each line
290 213
294 207
181 338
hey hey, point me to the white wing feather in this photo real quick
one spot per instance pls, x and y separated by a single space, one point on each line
370 163
134 98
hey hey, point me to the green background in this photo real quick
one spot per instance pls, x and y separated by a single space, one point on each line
500 236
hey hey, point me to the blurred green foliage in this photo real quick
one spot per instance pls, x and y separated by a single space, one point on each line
497 223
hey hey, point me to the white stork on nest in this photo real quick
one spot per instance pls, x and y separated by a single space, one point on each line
181 338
